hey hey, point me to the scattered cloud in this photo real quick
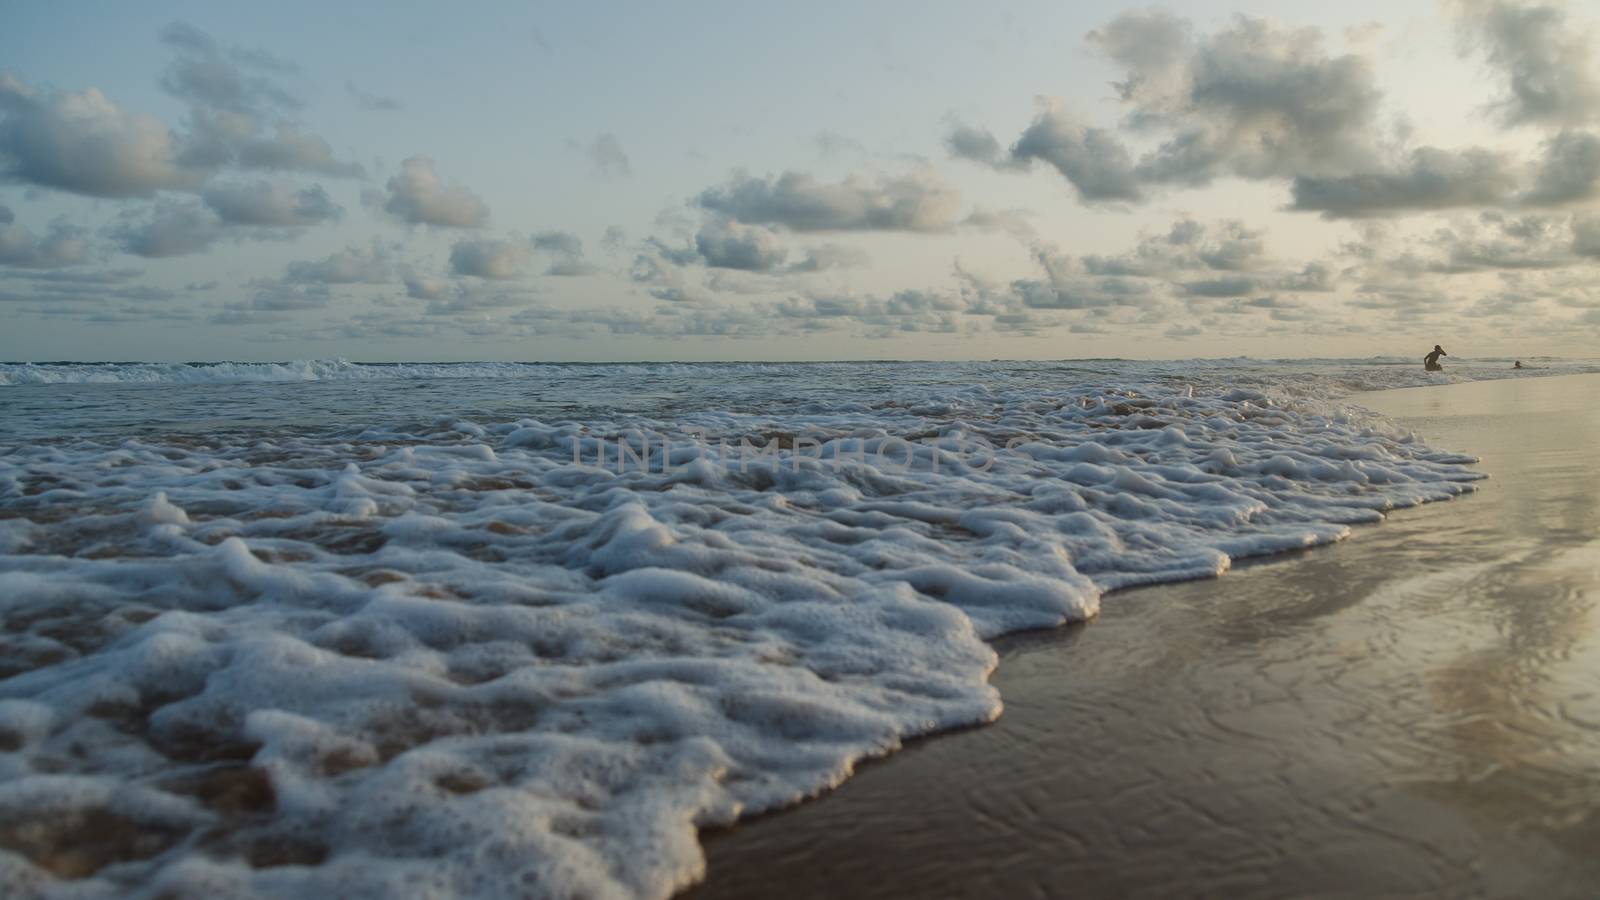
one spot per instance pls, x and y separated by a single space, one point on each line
565 250
1094 160
824 257
1544 62
799 202
239 112
417 196
63 245
725 244
973 143
168 228
466 296
272 203
1430 179
83 143
1186 246
1502 225
1568 173
349 266
1255 99
492 259
605 154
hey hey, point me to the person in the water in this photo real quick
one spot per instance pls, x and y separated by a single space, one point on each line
1431 361
1517 364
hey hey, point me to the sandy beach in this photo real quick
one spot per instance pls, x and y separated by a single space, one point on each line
1410 712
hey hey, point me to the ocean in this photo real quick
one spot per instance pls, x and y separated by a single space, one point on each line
324 628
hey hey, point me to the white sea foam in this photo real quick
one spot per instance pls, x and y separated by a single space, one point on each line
1376 373
450 662
293 370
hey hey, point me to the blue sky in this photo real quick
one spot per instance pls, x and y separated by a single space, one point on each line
752 181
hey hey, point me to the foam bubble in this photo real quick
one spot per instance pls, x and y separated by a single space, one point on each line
457 660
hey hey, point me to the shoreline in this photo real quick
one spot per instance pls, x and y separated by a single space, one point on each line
1366 716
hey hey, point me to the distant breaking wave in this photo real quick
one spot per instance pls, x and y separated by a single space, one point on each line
293 370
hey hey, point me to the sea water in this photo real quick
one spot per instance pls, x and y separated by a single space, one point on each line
498 630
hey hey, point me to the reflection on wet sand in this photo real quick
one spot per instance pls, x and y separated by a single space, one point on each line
1410 712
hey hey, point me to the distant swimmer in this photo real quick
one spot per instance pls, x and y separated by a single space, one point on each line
1517 364
1431 361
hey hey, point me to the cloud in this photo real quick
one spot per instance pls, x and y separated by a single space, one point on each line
1391 266
348 266
1094 160
291 150
1314 277
615 238
54 288
905 311
63 245
566 253
1586 236
827 256
1545 63
559 243
84 143
464 296
1255 99
1186 246
207 74
685 255
728 247
1430 179
799 202
725 244
1237 286
1011 221
417 196
168 228
271 300
1065 286
973 143
663 279
273 203
1568 173
238 115
605 153
1151 44
1190 262
1496 242
372 102
188 38
492 259
258 210
425 287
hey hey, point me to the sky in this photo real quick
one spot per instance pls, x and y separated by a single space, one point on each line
722 180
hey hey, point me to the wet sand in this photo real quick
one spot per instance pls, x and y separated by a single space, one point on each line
1415 711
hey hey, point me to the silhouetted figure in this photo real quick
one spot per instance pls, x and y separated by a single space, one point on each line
1517 364
1431 361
